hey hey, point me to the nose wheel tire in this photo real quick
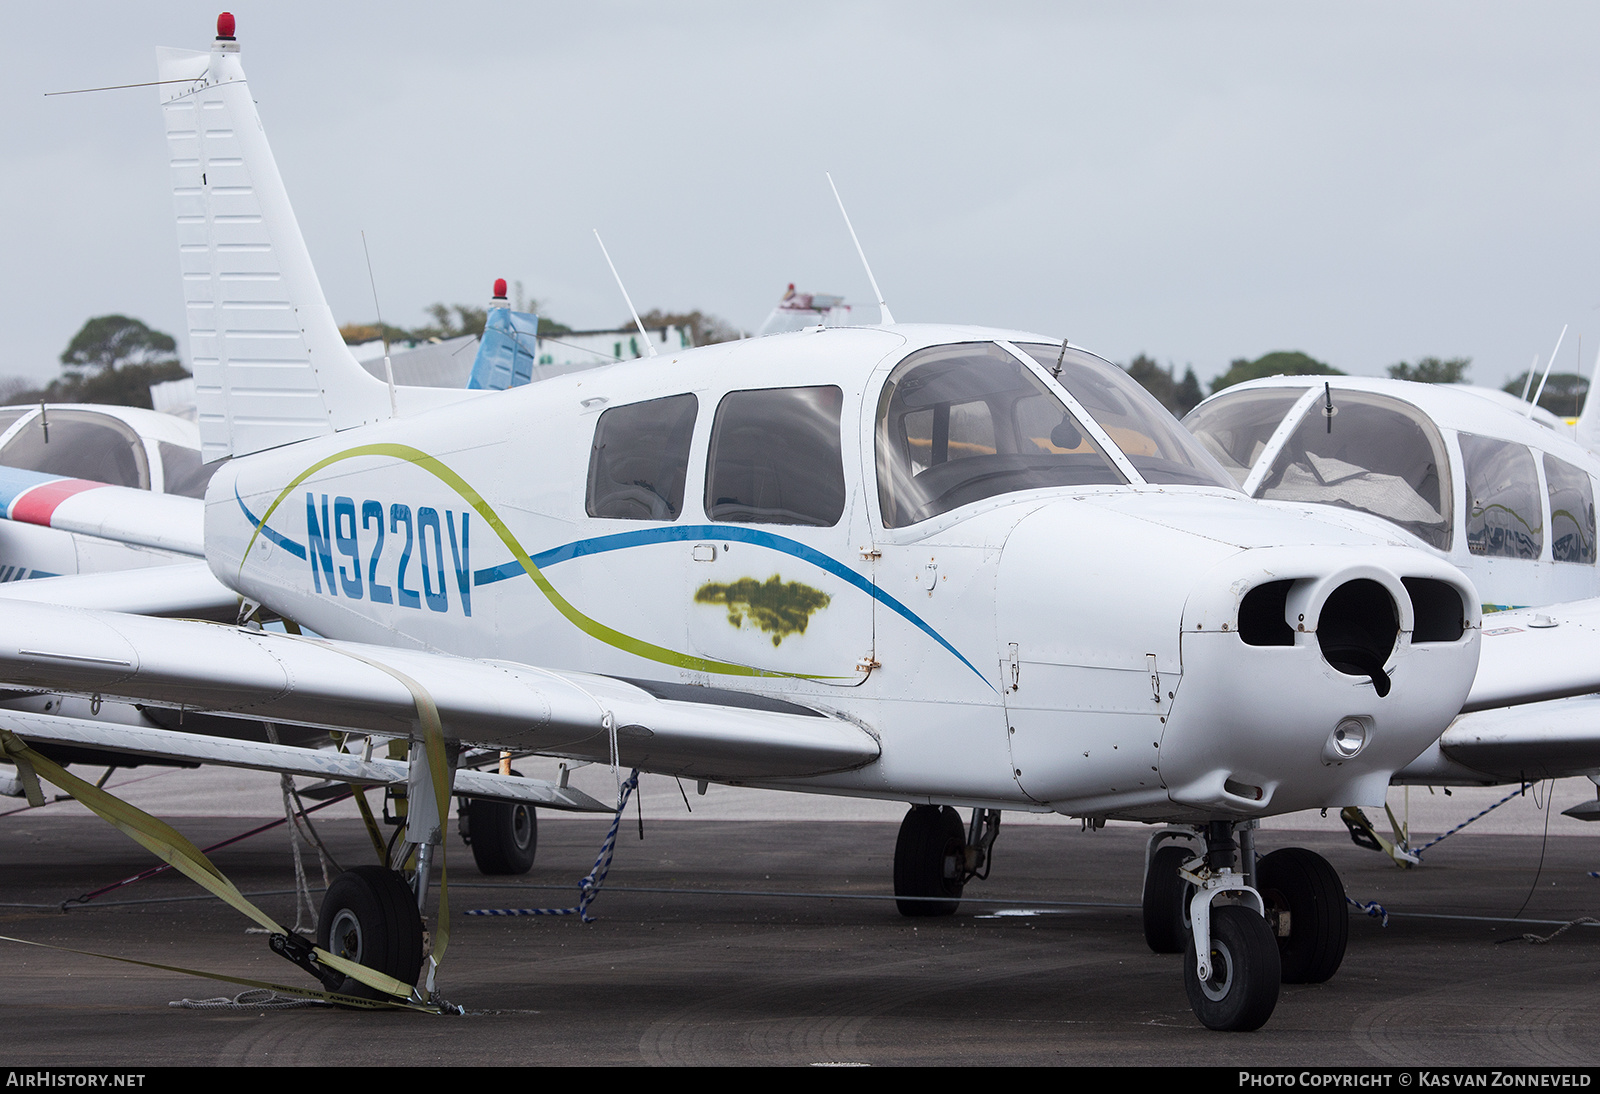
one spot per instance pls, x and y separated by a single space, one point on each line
1305 897
930 861
505 836
1166 901
1242 990
369 915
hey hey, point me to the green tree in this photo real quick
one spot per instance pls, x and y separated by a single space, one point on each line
109 341
1431 370
1177 396
113 360
1277 363
1563 393
704 329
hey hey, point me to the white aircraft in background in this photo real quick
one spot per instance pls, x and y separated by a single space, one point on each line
1471 476
951 566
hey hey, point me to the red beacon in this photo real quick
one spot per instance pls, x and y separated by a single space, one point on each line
225 27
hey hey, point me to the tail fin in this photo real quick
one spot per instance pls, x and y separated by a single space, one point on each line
270 366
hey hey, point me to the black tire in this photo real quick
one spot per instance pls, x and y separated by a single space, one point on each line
1245 972
369 915
1166 900
505 836
1303 884
929 860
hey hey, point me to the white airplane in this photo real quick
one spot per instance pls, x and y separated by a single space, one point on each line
150 462
1501 490
951 566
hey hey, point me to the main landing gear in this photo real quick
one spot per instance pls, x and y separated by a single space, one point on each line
934 857
370 916
1282 920
503 835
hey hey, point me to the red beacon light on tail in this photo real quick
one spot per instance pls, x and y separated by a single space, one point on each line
225 27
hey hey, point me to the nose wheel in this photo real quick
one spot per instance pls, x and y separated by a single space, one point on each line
1240 989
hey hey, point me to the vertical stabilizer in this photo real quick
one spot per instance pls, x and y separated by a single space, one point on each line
270 367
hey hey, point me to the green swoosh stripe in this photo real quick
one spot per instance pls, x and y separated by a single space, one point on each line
592 627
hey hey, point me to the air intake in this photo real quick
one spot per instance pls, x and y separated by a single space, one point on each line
1357 630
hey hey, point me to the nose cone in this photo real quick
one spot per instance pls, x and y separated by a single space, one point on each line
1311 674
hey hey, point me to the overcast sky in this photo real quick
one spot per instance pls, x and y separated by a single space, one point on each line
1367 182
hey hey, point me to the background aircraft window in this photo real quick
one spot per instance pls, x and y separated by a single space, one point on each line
81 445
775 457
1504 517
1236 427
640 459
1159 448
183 473
1571 511
960 423
1375 454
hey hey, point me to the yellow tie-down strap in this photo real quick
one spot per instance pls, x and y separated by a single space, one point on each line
172 847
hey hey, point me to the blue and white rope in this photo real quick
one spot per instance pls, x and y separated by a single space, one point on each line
589 887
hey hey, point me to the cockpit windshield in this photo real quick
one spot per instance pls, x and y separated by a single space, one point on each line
957 424
1236 428
1157 446
1372 453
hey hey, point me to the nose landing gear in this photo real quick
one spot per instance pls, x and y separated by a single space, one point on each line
1287 923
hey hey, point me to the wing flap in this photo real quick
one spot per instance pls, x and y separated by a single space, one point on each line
343 685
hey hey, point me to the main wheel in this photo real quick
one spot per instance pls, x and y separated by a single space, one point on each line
369 916
505 836
929 860
1166 900
1243 987
1305 897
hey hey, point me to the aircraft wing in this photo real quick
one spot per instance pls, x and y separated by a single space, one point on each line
183 589
169 522
1532 712
1530 655
316 763
668 728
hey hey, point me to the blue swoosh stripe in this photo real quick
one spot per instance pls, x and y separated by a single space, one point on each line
287 544
727 533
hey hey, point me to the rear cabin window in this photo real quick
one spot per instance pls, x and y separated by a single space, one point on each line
1505 517
775 457
640 459
1571 512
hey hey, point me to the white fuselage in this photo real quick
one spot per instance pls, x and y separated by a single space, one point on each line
1072 648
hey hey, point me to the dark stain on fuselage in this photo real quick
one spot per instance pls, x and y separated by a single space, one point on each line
777 607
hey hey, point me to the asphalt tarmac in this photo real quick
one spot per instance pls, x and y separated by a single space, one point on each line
770 942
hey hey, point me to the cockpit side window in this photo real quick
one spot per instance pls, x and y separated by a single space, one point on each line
1159 448
1504 516
1236 427
640 459
1571 512
1375 454
776 457
957 424
80 444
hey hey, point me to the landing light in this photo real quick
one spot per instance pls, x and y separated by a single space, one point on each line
1349 737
